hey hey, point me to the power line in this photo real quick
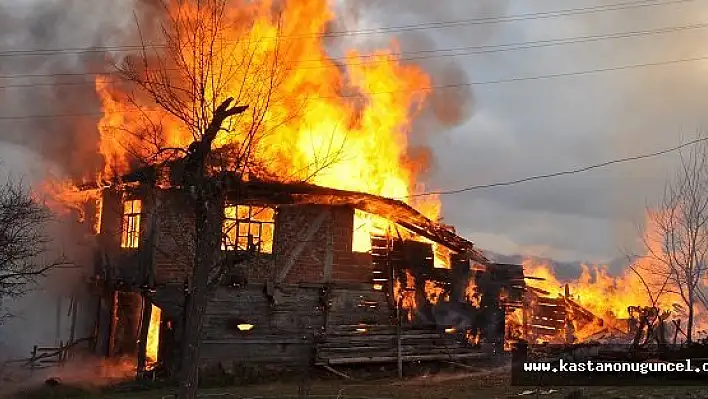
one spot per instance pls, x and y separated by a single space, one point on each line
562 173
425 54
518 17
429 88
382 30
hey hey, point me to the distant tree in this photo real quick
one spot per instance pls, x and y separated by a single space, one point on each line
677 235
24 243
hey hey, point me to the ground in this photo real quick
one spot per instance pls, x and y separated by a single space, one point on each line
440 386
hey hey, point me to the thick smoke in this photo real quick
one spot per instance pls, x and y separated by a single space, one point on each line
43 73
42 317
57 79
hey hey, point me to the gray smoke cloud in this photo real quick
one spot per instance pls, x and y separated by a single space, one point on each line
41 317
53 80
57 79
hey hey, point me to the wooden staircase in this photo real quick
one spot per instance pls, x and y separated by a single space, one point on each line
380 249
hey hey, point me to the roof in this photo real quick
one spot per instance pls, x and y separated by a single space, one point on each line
390 209
305 193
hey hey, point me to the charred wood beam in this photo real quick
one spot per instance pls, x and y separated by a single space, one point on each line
406 358
113 328
329 254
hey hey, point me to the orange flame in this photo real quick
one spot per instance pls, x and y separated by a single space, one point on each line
361 137
472 293
63 197
153 338
608 297
434 292
406 295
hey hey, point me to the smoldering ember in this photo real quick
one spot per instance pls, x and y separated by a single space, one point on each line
216 197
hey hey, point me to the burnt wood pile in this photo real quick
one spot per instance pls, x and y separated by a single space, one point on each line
553 319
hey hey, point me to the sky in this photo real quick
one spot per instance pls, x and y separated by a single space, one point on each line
530 127
497 132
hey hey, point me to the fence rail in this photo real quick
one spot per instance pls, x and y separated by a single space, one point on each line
46 356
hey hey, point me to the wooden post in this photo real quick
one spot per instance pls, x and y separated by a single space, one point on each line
525 315
58 320
399 353
97 325
114 325
33 365
74 311
62 353
327 272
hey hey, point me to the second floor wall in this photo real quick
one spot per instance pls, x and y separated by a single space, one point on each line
149 238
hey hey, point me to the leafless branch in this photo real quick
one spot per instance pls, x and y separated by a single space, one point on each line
677 237
23 242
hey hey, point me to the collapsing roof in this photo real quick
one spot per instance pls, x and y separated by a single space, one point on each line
282 193
394 210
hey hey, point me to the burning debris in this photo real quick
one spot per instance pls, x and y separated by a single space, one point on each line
597 307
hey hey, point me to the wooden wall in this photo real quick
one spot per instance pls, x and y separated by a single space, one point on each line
286 320
313 244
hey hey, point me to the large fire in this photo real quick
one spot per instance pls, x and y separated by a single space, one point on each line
608 297
341 124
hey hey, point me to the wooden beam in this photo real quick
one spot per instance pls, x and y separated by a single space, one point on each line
409 358
58 319
329 257
74 311
335 372
114 324
290 262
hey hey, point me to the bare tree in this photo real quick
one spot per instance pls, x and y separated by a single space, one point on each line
215 86
677 235
23 243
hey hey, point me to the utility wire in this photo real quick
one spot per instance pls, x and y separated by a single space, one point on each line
562 173
409 55
511 18
423 89
383 30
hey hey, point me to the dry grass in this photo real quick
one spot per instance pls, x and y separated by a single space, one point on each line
441 386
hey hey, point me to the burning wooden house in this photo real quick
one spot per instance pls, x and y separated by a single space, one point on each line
342 277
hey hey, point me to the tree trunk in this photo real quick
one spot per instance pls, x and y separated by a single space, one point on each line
207 239
208 199
689 323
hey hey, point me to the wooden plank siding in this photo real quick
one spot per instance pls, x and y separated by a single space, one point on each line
285 327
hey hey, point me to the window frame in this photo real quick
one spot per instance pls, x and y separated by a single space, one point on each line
233 235
131 220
